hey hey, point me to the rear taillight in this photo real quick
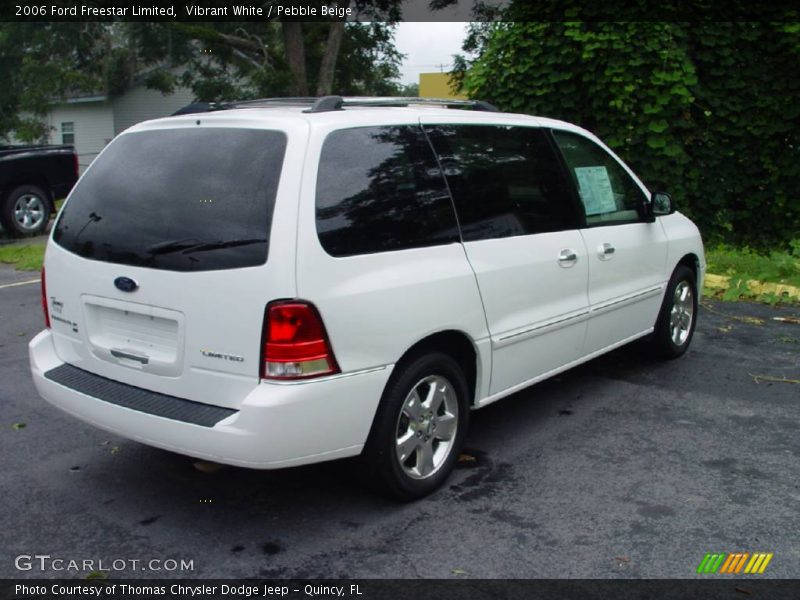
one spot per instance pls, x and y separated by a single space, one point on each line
76 165
295 343
44 301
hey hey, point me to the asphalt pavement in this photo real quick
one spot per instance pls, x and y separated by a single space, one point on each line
625 467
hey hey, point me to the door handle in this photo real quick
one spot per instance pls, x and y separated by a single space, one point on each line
567 257
605 251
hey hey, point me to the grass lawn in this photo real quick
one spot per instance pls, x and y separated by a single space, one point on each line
777 267
743 267
24 256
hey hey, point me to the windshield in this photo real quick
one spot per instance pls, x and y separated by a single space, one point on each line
193 199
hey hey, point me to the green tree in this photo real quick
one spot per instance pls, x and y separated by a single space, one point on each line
745 140
707 111
224 61
43 63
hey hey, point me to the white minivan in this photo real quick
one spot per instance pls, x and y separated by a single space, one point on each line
280 282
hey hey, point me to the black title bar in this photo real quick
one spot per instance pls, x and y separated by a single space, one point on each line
391 10
711 588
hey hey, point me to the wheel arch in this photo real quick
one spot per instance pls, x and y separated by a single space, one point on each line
456 344
662 344
382 464
691 261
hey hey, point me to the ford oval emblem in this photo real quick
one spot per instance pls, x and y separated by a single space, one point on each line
126 284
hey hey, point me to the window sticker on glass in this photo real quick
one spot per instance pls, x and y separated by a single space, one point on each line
595 190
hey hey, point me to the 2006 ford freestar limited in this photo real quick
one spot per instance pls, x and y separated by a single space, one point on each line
280 282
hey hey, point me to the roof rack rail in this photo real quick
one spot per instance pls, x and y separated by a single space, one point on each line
289 101
200 107
326 104
330 103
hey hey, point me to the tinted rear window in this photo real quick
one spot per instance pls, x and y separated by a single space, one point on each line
178 199
381 189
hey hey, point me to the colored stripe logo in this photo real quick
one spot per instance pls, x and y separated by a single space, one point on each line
734 563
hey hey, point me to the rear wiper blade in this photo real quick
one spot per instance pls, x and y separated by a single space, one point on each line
189 245
224 244
174 245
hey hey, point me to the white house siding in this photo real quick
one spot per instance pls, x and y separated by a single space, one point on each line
94 127
139 104
98 120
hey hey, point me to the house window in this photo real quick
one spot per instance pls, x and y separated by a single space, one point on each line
68 132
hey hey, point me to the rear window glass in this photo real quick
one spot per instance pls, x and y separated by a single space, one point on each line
195 199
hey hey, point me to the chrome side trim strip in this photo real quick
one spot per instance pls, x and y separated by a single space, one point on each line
541 329
520 386
611 305
565 321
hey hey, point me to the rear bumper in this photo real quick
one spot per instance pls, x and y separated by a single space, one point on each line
277 425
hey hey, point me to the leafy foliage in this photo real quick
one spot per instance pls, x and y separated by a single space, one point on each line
224 61
42 64
707 111
42 61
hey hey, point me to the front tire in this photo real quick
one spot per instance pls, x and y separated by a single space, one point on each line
678 317
25 211
420 427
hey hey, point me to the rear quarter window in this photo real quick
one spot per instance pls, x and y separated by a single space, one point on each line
380 189
193 199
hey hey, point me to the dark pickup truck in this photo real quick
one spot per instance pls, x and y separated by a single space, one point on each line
31 179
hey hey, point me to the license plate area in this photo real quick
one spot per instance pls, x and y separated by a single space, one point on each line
136 336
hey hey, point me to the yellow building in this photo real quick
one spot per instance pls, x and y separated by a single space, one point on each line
438 85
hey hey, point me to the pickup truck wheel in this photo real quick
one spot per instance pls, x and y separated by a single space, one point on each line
25 211
678 317
420 427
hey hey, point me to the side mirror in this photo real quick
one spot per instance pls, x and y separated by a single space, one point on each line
661 204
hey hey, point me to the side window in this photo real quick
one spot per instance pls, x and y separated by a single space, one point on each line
608 193
380 189
505 180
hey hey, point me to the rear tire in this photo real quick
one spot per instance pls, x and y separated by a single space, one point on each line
678 317
419 428
25 211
